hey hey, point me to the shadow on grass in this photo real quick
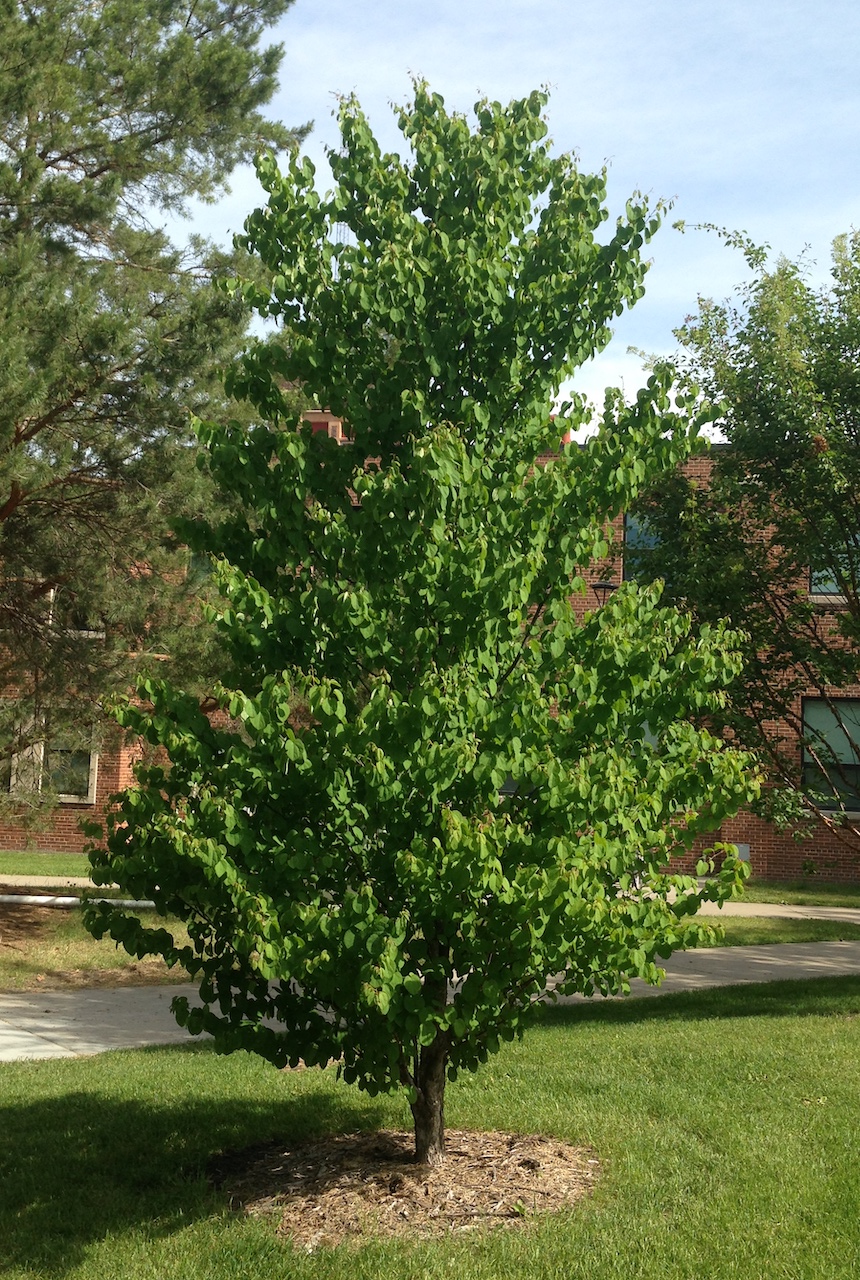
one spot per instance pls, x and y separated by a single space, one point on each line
813 997
79 1166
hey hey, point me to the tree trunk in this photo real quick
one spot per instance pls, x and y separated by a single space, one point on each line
428 1109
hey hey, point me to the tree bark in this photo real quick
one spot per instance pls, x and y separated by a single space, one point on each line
428 1109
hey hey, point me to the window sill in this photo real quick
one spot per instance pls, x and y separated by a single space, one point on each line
828 601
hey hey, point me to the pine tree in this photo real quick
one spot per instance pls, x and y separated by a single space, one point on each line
111 114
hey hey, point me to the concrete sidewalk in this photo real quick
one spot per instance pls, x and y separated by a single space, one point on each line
66 1024
52 883
784 910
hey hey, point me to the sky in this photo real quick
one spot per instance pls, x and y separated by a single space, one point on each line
744 113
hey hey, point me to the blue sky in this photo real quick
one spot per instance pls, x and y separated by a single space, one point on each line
747 115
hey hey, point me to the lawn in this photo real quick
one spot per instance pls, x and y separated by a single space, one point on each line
43 864
803 893
754 931
726 1123
809 892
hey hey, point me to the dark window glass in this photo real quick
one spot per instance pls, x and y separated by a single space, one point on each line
831 751
823 582
639 541
841 570
66 766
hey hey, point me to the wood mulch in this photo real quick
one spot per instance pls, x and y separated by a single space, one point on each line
360 1186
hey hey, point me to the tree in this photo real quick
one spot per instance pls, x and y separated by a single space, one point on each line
110 114
471 809
773 542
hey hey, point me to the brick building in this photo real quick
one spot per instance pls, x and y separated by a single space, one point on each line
84 781
831 846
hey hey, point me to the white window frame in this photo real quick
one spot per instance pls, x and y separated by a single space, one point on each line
28 773
90 633
823 587
827 594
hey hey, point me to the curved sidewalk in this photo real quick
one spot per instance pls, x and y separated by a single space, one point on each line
66 1024
731 966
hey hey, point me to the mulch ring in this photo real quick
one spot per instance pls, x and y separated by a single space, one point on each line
360 1186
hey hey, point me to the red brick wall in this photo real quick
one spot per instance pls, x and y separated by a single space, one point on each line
58 830
776 855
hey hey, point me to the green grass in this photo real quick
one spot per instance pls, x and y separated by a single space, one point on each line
726 1121
43 864
803 893
753 931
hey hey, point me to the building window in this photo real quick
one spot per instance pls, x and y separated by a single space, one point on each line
69 768
831 751
829 581
639 541
822 582
69 616
62 764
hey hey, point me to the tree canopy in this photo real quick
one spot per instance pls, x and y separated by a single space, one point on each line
482 793
773 541
111 114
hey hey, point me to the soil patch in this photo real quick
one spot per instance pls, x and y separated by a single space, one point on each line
20 924
35 957
356 1187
